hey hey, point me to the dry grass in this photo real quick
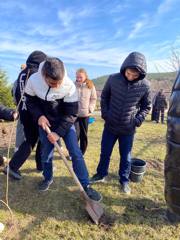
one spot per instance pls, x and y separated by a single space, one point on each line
59 213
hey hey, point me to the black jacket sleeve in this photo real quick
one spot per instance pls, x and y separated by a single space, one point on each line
33 106
165 102
105 98
6 113
68 119
144 108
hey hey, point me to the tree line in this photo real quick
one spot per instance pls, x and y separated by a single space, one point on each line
5 90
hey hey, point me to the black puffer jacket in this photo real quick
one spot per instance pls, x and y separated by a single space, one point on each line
172 160
125 104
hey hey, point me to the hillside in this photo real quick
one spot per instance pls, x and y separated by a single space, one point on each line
158 80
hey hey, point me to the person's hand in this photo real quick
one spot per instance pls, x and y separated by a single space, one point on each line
43 122
53 137
15 115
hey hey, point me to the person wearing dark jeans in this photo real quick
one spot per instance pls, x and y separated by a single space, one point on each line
71 143
125 102
53 102
31 138
125 145
81 126
87 101
160 106
160 112
29 125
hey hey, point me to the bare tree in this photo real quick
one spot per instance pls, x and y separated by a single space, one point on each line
174 61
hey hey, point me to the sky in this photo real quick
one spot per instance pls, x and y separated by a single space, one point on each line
95 35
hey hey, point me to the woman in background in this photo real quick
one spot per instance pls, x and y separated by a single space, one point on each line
87 102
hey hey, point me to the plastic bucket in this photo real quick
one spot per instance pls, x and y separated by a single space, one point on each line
91 120
138 168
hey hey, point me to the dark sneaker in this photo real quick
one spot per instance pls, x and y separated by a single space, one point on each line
97 178
13 174
93 194
126 188
44 185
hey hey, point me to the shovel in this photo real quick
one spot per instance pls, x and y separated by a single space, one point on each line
94 208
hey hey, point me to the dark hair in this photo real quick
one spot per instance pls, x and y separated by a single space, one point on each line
134 69
54 69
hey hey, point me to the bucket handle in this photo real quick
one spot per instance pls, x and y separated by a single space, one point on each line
138 173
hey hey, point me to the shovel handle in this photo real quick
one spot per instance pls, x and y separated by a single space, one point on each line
70 169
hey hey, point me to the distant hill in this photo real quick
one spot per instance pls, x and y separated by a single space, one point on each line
158 80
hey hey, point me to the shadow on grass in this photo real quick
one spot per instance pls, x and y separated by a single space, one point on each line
4 151
61 202
149 145
139 211
136 208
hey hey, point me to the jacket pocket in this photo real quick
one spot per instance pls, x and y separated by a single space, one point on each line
105 116
133 122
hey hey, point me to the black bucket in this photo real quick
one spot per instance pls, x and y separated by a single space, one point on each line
138 168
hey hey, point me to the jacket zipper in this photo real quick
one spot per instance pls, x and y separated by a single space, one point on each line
47 93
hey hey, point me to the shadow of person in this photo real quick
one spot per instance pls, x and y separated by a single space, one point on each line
61 202
139 210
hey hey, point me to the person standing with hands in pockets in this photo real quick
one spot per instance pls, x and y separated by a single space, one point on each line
125 102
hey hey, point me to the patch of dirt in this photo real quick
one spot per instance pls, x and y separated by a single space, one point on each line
107 221
5 132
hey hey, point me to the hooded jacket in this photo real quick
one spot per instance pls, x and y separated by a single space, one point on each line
32 65
172 160
160 101
125 104
87 99
59 105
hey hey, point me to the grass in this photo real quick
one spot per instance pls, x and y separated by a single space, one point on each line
59 213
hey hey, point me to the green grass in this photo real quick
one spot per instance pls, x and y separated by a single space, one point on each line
59 213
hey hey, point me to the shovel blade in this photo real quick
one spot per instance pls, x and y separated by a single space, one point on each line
95 210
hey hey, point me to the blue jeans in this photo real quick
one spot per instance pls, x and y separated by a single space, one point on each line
71 143
125 146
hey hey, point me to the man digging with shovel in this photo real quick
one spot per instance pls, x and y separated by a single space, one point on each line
53 102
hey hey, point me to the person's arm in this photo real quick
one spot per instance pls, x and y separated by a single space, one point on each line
70 111
93 98
105 97
144 108
7 113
